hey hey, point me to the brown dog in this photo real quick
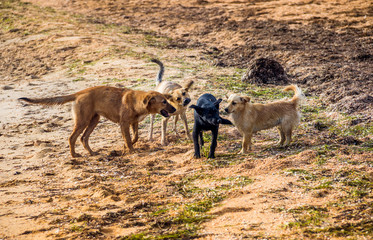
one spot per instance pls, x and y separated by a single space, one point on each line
120 105
250 118
179 100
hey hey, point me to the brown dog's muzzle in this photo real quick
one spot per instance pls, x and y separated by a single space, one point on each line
169 109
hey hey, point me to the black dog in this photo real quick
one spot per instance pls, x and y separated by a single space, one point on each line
206 117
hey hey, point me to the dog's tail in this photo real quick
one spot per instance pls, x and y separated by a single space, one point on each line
50 101
161 70
298 94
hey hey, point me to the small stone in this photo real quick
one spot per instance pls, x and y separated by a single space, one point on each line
7 88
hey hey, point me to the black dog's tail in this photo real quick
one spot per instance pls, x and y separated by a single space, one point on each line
225 121
50 101
161 70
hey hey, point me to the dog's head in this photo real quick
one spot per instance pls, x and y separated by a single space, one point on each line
209 113
180 97
236 103
156 102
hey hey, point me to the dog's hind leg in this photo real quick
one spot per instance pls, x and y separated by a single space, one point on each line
201 138
135 130
91 126
78 129
184 118
282 136
196 134
152 117
288 133
164 130
82 118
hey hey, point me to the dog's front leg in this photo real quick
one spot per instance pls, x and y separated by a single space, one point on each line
246 142
125 129
152 117
175 124
164 131
196 133
214 142
135 130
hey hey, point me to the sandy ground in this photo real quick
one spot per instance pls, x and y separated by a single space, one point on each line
312 189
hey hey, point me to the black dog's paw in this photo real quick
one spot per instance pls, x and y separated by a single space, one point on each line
197 156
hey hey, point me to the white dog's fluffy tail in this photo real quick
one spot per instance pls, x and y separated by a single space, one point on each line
161 71
298 94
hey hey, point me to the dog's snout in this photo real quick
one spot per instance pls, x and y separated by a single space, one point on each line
186 101
172 109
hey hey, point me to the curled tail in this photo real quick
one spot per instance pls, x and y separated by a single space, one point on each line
50 101
298 94
161 70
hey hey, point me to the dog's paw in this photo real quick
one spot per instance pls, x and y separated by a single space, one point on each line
131 151
93 153
76 155
190 137
242 152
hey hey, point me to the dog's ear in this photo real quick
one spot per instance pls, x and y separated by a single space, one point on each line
217 102
225 121
188 85
245 99
197 108
149 98
168 96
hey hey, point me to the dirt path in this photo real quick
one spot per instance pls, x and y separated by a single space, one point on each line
319 187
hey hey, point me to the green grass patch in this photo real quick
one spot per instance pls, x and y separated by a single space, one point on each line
307 216
361 228
324 153
356 184
301 173
160 212
77 228
238 181
78 79
358 131
234 84
10 4
325 185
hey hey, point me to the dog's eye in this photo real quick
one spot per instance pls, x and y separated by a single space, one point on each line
183 93
164 102
179 98
233 103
